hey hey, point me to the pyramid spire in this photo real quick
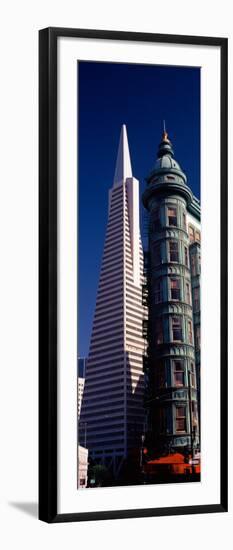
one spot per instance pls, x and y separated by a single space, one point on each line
123 168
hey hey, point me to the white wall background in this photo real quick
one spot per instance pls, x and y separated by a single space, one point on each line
20 22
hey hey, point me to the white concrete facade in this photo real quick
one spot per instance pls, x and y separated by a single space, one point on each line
81 383
112 411
193 221
82 467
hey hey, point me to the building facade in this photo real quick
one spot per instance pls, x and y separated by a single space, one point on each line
195 268
173 276
82 467
81 382
112 415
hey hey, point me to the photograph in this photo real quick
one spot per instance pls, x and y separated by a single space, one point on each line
139 274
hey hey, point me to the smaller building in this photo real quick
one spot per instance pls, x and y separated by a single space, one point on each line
82 467
81 382
195 263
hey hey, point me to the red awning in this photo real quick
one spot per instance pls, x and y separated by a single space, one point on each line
176 458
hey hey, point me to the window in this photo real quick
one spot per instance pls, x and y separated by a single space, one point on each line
194 414
177 329
157 254
178 373
158 292
173 251
160 379
186 261
156 219
190 332
196 298
197 236
172 216
159 330
187 293
198 337
175 289
184 220
191 234
181 419
192 375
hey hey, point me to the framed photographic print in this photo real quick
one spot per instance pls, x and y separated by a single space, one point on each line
133 275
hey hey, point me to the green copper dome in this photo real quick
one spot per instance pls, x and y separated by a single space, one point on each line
166 175
165 163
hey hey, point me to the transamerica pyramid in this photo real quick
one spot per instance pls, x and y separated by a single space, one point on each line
112 415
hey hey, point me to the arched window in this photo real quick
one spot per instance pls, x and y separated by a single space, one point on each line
173 251
175 288
181 425
187 293
184 220
177 332
186 261
178 372
190 332
172 216
191 234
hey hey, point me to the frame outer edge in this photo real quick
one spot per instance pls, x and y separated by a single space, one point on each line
48 275
224 275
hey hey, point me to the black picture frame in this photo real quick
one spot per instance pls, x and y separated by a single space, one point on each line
48 274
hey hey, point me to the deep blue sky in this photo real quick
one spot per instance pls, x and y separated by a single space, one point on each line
140 96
